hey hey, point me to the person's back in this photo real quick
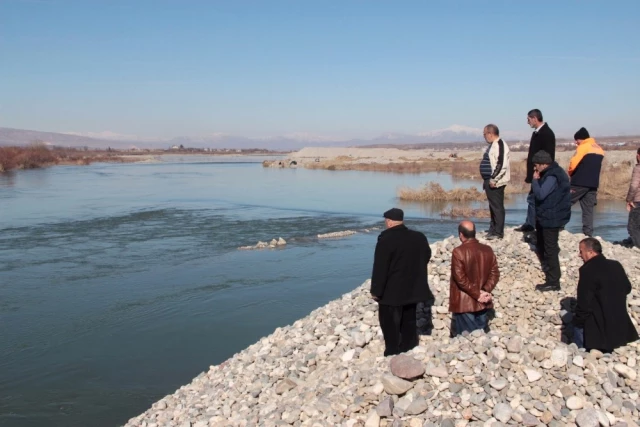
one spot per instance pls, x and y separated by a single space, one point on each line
584 168
601 312
408 254
399 281
473 265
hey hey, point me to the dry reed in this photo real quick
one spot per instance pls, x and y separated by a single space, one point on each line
434 192
38 156
465 212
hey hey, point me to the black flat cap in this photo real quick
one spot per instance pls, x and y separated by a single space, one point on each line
542 158
394 214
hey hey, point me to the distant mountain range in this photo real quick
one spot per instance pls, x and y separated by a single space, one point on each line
456 134
452 134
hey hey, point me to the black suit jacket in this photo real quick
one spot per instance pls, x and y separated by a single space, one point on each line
400 267
602 305
545 140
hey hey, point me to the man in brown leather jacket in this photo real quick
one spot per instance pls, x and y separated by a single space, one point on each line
474 274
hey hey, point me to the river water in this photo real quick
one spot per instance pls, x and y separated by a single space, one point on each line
121 282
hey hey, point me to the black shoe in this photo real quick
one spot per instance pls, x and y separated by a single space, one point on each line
493 237
525 228
530 238
546 287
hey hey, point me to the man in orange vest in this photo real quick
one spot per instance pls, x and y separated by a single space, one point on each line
584 170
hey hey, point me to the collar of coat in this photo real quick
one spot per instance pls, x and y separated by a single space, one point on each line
396 228
599 256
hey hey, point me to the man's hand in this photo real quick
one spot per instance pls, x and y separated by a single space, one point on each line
375 298
536 175
492 184
630 205
485 297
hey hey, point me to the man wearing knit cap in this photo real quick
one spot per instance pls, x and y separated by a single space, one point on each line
551 189
584 170
399 281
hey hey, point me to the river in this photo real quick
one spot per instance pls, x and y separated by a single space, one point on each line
121 282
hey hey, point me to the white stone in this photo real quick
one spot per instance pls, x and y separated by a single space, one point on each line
532 375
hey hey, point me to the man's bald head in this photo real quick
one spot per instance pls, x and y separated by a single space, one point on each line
467 230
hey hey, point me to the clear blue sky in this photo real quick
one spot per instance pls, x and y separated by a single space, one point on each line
356 68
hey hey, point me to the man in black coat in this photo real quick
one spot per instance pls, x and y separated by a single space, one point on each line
399 281
601 320
542 139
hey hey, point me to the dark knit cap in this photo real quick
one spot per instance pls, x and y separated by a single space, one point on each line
394 214
581 134
542 158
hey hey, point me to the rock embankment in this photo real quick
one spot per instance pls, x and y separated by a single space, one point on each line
327 369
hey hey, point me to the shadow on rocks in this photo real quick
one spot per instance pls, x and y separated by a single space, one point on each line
424 317
567 307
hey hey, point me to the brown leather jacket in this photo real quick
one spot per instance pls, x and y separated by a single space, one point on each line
473 268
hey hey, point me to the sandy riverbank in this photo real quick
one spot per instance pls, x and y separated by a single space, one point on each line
327 369
353 156
615 175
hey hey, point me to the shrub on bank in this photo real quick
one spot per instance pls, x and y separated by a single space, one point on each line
31 157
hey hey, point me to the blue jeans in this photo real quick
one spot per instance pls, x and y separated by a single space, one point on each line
531 210
578 336
470 321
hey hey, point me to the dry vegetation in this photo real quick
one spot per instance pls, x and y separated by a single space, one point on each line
614 182
465 212
340 163
39 156
434 192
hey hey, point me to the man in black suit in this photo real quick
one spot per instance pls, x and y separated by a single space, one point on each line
399 281
601 320
542 139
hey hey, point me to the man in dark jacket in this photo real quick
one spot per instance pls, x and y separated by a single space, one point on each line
544 139
584 170
552 194
601 320
399 281
474 275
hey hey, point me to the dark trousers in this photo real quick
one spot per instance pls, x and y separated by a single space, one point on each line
495 196
578 339
633 226
548 250
531 210
469 322
578 336
588 199
398 324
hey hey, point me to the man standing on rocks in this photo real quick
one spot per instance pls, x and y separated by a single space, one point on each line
474 275
601 320
494 169
584 170
399 281
633 203
544 139
552 194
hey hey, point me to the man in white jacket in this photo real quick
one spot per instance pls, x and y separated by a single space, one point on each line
494 169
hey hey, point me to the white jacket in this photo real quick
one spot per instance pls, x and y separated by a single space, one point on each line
495 163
